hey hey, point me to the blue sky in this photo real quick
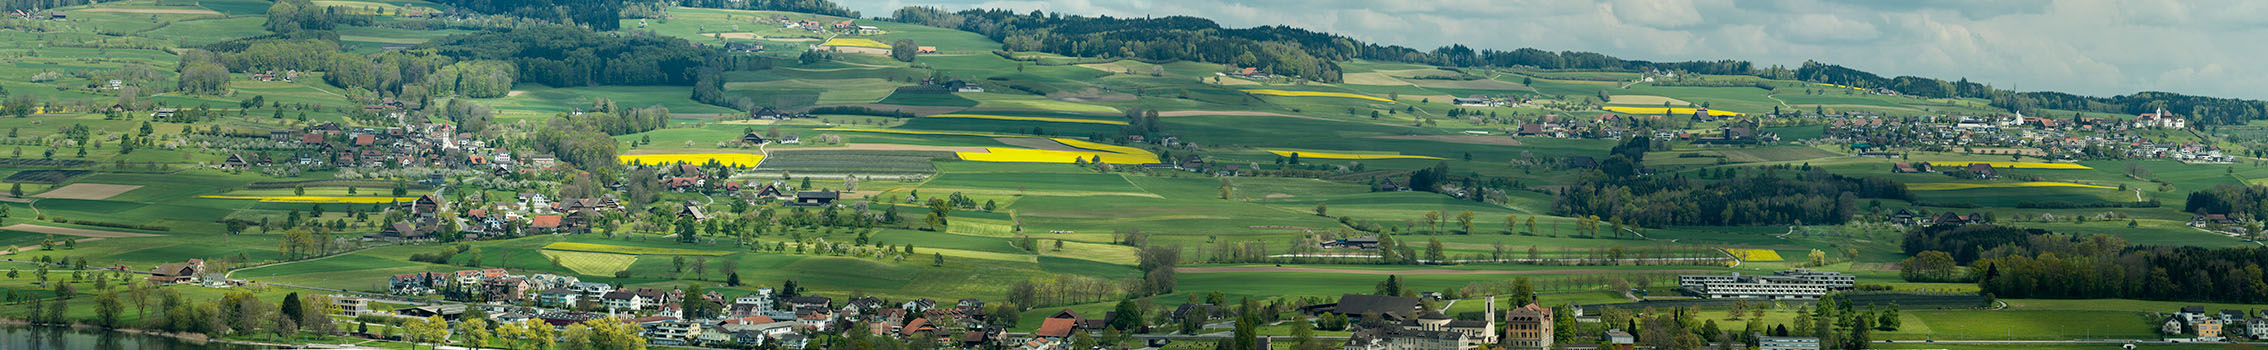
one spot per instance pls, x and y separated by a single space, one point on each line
2105 47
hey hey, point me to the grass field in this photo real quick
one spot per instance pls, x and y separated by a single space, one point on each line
1324 155
2017 165
732 159
1041 119
591 264
320 199
631 250
1274 92
1950 186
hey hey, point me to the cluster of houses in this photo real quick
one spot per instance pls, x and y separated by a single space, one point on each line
35 15
1975 170
1911 218
334 145
847 26
2195 324
1786 284
2023 135
486 285
763 318
1399 323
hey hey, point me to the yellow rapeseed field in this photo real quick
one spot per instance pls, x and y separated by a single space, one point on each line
1658 110
1274 92
1322 155
733 159
1754 254
319 199
1042 119
856 42
622 249
1950 186
1019 155
1107 148
2016 165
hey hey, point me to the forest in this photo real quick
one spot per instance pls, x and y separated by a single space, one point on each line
2105 267
822 7
1277 50
562 56
1811 198
1965 243
2238 202
602 15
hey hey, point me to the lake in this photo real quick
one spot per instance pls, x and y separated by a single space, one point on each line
19 337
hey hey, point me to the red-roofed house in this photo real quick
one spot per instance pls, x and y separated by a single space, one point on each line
1058 328
544 222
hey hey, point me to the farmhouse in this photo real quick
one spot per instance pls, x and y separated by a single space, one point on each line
817 198
1357 305
178 273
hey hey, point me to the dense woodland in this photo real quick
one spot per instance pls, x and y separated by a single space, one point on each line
1810 198
2198 109
1965 243
561 56
1274 49
2105 267
602 15
823 7
27 5
2243 202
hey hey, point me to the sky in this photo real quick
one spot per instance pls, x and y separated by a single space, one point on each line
2100 48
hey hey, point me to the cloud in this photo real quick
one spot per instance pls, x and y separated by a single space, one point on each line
2090 47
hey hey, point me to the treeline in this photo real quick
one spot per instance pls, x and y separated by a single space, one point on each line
601 15
2235 201
1276 50
287 16
561 56
1655 201
1311 55
2196 109
2106 267
476 79
587 141
823 7
1966 243
29 5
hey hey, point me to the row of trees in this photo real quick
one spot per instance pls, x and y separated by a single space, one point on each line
601 15
822 7
2104 267
1810 198
1277 50
2241 202
288 16
475 79
562 56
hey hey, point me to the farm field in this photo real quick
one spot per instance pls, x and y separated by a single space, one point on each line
333 145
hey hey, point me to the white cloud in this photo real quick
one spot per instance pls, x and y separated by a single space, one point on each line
2080 46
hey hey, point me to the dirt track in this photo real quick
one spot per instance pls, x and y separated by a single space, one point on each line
1403 272
87 191
67 231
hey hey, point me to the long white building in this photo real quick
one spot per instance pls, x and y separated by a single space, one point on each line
1790 284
